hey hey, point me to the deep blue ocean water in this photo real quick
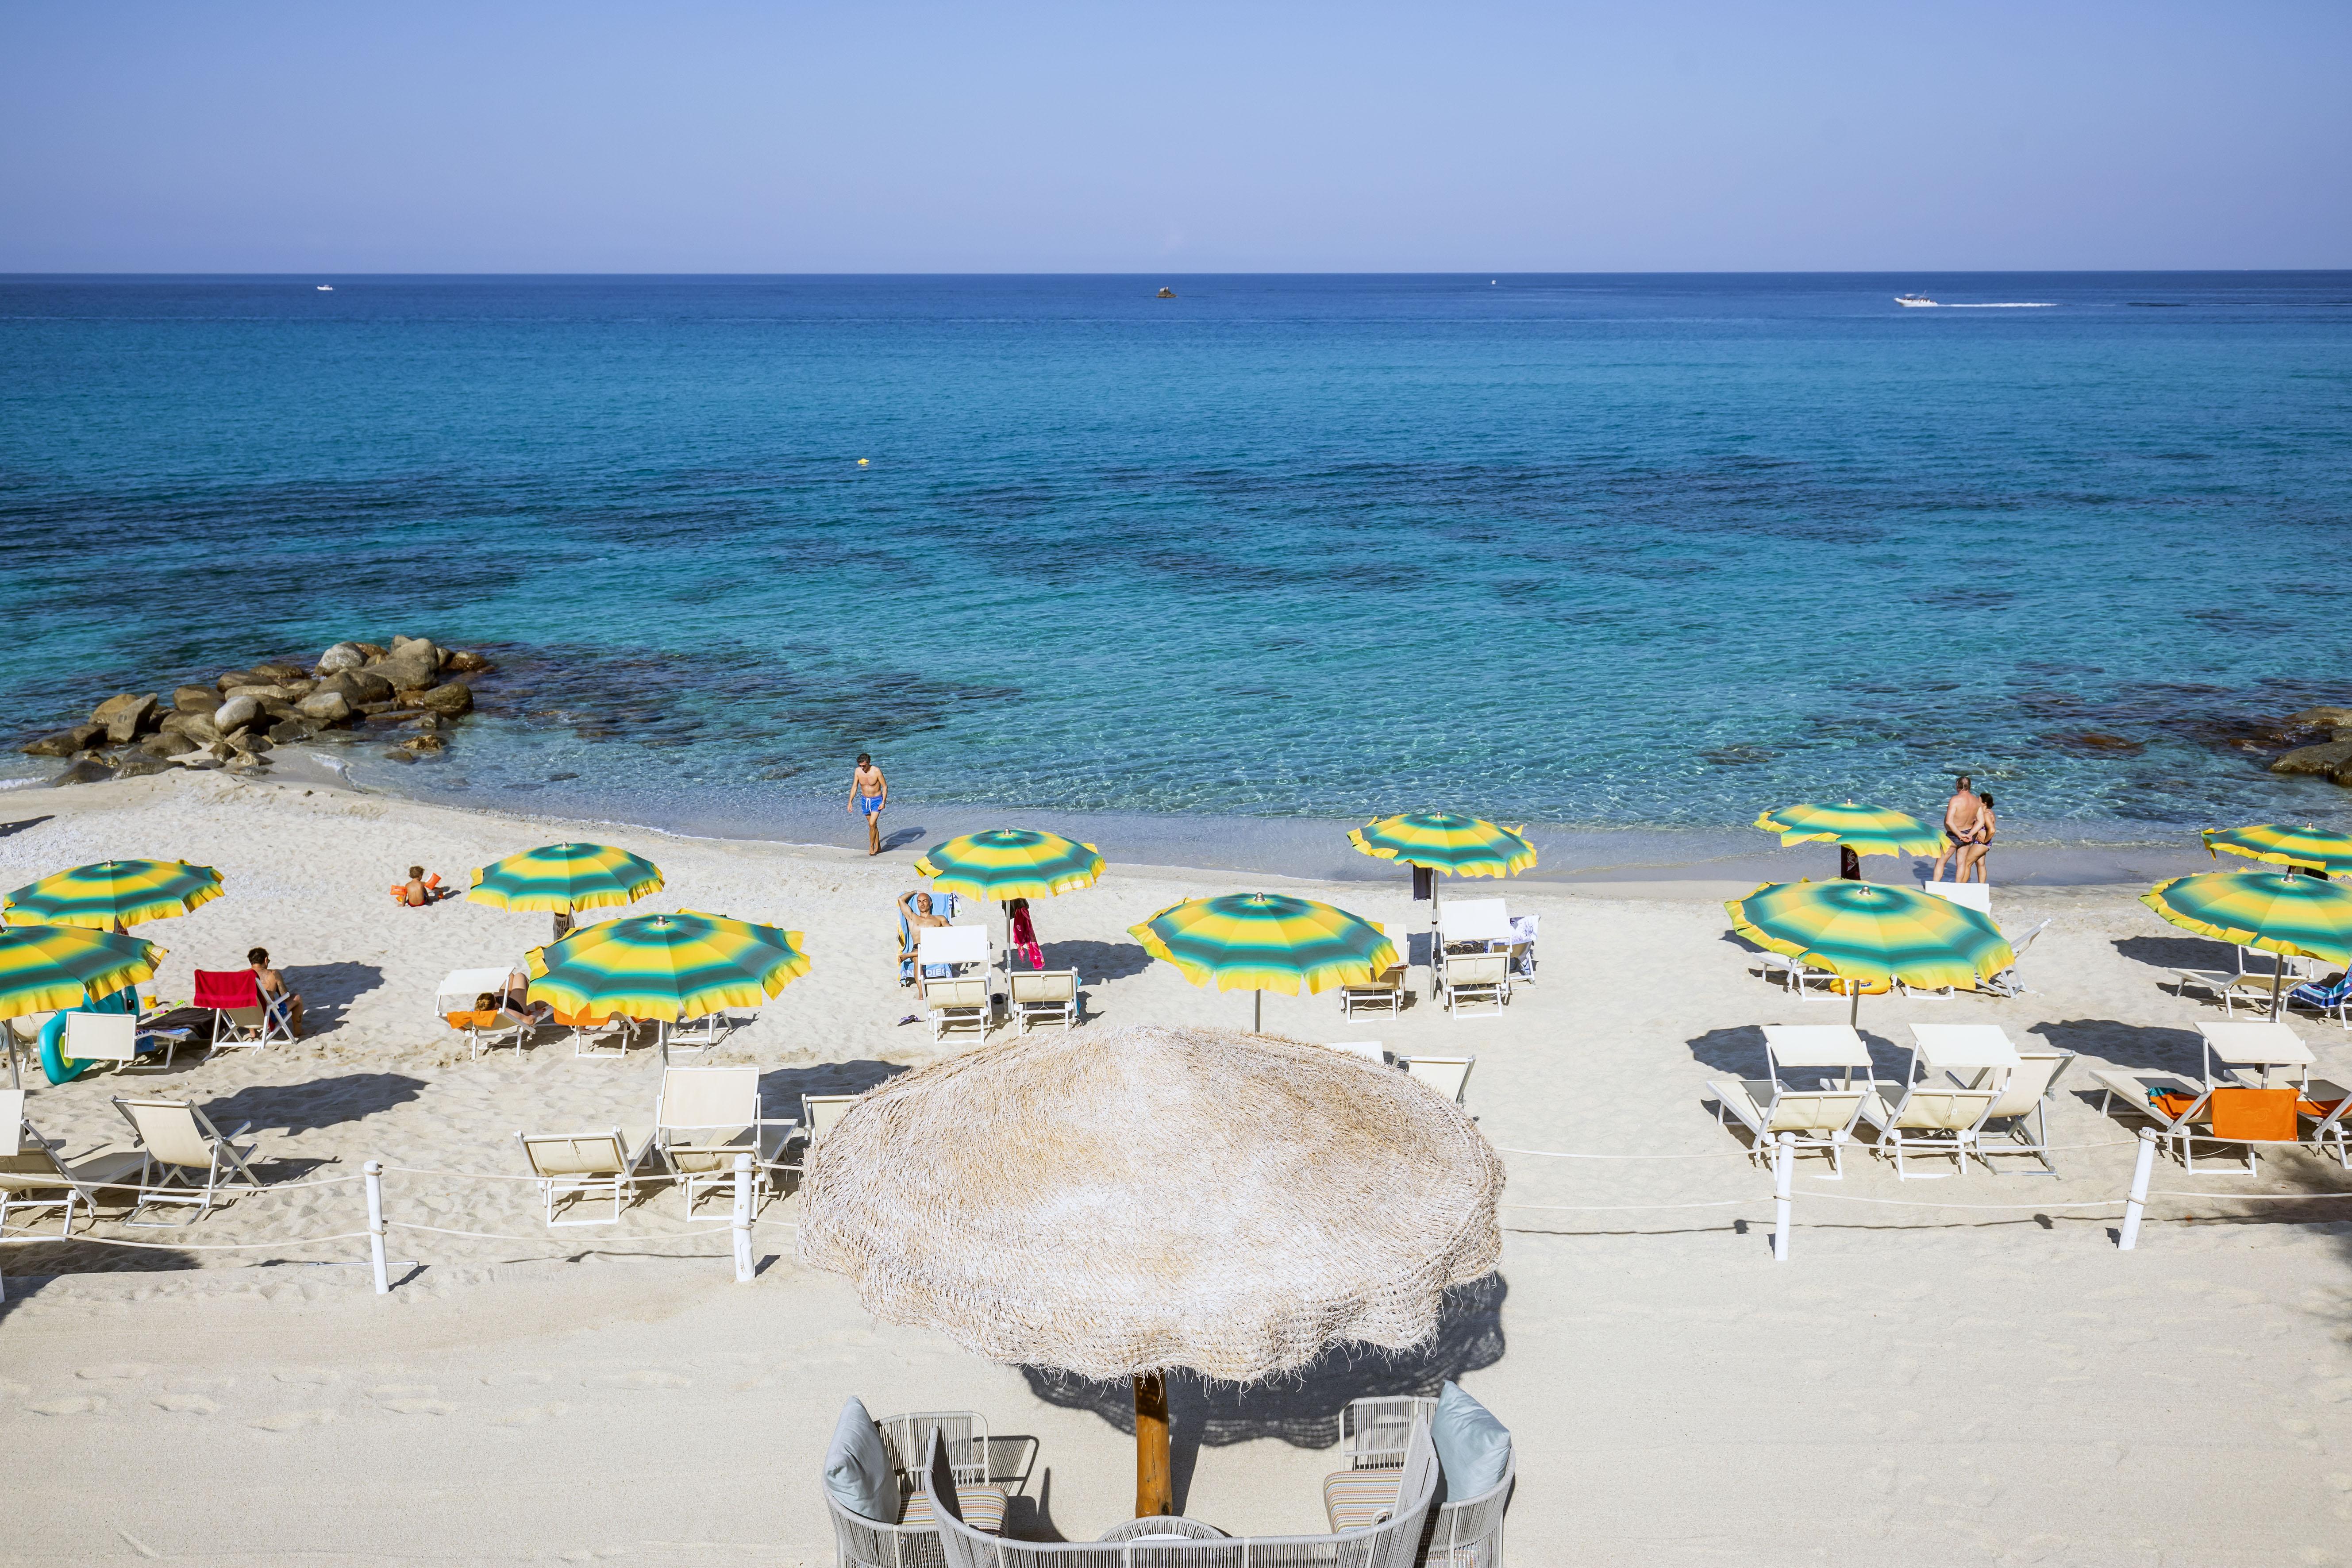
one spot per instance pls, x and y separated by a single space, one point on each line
1594 550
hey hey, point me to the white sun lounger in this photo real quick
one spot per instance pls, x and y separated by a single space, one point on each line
1470 978
1449 1076
2023 1111
177 1141
703 1117
36 1177
1368 1049
1045 996
1976 896
1819 1119
581 1165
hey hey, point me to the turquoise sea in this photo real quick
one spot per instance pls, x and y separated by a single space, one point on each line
1633 552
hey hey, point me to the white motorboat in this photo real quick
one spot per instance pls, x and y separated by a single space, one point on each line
326 287
1912 300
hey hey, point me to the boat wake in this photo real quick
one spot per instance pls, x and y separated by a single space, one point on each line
2009 305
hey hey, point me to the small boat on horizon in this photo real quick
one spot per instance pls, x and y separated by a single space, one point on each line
1165 294
1912 300
326 287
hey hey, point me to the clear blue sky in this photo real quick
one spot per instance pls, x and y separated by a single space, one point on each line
583 137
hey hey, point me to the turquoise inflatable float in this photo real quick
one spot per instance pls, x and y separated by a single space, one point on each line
63 1068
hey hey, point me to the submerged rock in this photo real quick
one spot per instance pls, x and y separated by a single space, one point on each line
2328 757
464 662
394 754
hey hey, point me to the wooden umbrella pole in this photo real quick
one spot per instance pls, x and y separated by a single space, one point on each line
1154 1493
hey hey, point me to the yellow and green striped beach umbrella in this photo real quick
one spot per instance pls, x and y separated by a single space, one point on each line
1266 942
1006 863
1865 829
667 967
1446 841
566 879
2276 911
44 969
2327 853
1870 934
106 893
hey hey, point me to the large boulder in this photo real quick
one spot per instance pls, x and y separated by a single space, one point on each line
412 663
162 745
195 729
278 672
450 701
195 699
65 742
357 686
138 764
236 713
231 680
464 661
271 691
326 706
125 716
341 657
2329 757
290 730
86 770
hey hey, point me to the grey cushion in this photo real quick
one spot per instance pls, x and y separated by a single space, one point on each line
1473 1448
857 1467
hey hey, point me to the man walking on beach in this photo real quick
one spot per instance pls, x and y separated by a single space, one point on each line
869 791
1962 815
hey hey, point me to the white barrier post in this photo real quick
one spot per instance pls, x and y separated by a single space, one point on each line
374 1173
2136 1204
742 1219
1784 1160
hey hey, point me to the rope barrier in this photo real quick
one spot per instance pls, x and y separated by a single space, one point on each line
1621 1209
487 1235
23 1238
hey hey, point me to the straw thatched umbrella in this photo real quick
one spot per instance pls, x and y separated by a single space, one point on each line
1120 1204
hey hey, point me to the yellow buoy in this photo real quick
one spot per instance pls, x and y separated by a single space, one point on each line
861 462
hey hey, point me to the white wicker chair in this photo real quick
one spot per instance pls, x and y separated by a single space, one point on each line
1467 1533
860 1543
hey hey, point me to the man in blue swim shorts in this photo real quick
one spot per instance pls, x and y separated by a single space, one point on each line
869 791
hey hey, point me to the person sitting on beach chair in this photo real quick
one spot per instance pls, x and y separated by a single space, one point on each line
283 1005
916 910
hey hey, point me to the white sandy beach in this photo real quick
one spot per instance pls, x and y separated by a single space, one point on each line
1914 1385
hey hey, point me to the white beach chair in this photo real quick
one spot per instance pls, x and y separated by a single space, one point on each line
177 1140
703 1117
2023 1111
962 1002
694 1035
2190 1105
2006 982
1045 996
576 1166
1928 1118
820 1111
36 1177
1381 993
2330 1124
1370 1050
117 1037
1473 926
1792 974
1976 896
1448 1076
1817 1119
607 1038
1470 978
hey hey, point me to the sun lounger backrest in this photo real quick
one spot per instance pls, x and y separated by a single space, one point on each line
1944 1109
820 1111
573 1153
101 1036
168 1131
227 988
1449 1076
1814 1110
2027 1084
1053 985
1478 969
12 1119
1474 920
965 990
706 1098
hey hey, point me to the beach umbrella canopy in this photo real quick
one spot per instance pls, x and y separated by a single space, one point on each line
46 969
1007 863
1865 829
107 893
665 967
2275 912
567 878
1120 1203
1266 942
2330 854
1446 841
1870 935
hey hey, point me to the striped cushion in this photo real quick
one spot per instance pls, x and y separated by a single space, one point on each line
1358 1499
982 1508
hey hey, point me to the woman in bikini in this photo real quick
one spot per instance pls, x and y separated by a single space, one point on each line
1974 848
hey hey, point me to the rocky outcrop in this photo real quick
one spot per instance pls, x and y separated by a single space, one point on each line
237 719
2330 758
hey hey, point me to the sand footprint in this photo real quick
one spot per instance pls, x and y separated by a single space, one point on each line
187 1404
292 1420
120 1370
78 1405
307 1376
645 1379
531 1415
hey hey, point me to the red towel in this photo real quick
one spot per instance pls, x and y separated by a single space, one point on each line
1024 939
227 988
